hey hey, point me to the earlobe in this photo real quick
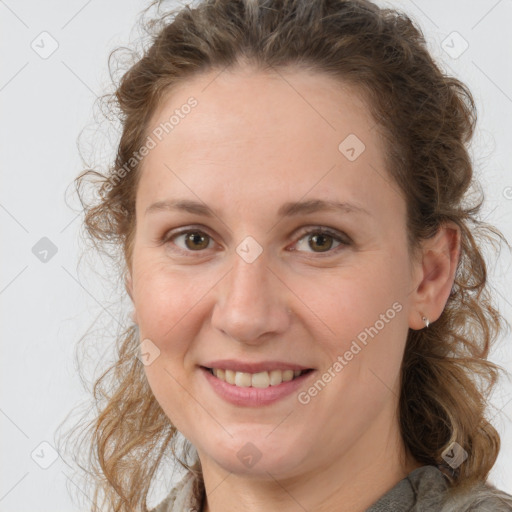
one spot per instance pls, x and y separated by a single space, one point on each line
440 258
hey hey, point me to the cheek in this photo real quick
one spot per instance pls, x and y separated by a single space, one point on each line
161 299
165 306
362 313
165 379
171 306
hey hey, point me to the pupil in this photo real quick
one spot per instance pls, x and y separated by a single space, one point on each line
196 238
321 241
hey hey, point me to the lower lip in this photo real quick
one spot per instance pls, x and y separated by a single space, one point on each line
254 397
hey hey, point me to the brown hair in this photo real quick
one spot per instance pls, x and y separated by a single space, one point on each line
428 118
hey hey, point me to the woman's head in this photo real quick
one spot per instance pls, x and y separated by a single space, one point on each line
238 122
235 258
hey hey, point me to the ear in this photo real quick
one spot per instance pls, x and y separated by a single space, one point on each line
128 284
435 271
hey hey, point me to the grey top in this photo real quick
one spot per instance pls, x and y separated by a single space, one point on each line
423 490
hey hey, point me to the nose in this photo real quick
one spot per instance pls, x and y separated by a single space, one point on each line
251 303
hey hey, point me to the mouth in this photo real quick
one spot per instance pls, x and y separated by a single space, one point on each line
261 380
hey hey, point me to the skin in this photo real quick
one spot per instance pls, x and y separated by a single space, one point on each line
255 141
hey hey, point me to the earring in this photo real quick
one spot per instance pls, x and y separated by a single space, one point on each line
425 319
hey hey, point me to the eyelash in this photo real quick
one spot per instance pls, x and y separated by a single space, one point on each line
344 240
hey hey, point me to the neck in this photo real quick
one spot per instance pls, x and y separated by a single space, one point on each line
352 482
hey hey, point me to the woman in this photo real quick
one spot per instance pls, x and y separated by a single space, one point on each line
311 308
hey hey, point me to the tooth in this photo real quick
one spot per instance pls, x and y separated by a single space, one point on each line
230 376
256 380
260 380
287 375
243 379
276 377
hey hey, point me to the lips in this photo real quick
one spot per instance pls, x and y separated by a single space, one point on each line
242 394
253 384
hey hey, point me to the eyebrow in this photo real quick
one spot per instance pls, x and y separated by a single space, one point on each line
286 210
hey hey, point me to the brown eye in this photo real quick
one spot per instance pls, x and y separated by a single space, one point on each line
322 242
195 240
188 241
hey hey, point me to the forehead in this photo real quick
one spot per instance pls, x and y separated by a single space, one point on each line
268 130
245 103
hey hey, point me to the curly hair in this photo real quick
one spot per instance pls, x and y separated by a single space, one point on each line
427 117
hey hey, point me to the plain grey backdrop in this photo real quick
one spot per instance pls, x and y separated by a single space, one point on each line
53 65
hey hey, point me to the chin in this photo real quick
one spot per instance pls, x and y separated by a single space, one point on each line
256 456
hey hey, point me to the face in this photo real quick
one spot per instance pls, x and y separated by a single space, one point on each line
246 260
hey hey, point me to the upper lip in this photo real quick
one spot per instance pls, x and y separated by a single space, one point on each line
247 367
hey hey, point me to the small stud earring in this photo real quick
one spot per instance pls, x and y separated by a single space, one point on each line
425 319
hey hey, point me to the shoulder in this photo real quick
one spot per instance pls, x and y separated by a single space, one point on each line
431 488
426 489
480 498
185 495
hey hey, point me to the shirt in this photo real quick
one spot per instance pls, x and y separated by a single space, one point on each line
423 490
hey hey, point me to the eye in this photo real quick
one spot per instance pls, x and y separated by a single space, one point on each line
190 240
317 240
321 240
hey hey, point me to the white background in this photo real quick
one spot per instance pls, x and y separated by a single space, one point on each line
46 307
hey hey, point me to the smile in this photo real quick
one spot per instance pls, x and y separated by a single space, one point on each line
262 379
255 389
